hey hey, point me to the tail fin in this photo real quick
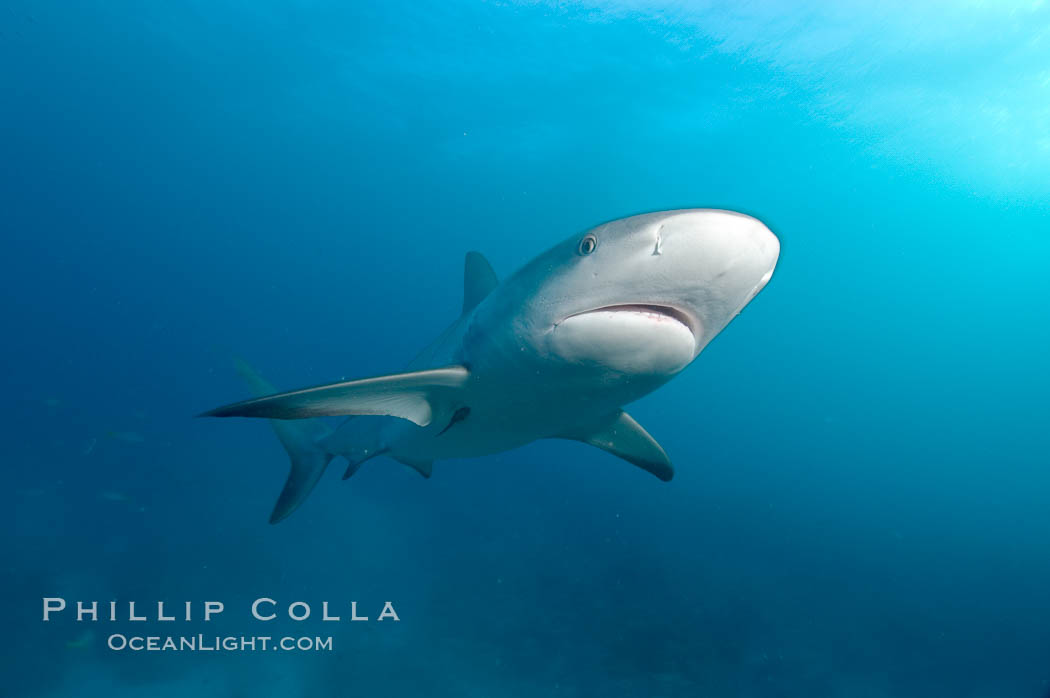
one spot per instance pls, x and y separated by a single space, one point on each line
299 439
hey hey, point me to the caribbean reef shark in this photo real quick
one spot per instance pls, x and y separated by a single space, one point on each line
554 351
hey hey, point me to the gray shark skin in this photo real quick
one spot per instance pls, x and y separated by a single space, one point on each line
554 351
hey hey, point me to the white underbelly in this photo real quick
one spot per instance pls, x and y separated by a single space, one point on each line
503 419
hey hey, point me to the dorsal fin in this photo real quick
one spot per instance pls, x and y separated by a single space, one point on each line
478 280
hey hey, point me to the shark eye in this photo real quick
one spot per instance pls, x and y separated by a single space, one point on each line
587 245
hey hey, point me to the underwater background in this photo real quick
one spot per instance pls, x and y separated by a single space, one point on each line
860 505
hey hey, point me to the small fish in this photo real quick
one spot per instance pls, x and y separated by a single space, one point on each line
84 640
52 401
89 446
131 437
111 496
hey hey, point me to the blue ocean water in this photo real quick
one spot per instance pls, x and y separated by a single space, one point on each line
860 505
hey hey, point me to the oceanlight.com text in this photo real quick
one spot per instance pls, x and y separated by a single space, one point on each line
216 643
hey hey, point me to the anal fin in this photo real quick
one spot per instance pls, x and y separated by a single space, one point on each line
358 440
423 467
625 438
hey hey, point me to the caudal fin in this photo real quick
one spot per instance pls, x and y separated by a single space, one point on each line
299 439
307 467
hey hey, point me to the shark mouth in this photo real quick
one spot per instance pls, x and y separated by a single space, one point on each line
657 313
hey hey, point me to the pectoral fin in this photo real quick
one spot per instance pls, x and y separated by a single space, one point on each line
415 396
621 436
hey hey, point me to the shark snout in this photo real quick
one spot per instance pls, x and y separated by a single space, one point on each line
768 246
716 240
768 251
754 266
715 262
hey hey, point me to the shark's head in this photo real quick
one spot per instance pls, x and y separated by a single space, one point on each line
643 295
